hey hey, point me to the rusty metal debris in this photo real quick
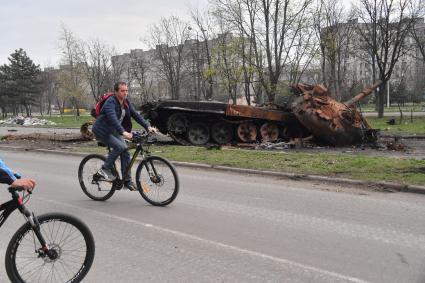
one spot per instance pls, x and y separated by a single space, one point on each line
330 121
396 145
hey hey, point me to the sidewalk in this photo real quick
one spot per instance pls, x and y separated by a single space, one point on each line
383 186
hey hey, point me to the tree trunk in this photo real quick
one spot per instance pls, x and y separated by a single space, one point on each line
27 110
381 98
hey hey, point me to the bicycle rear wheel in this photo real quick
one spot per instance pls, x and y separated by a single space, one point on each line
92 185
157 181
70 240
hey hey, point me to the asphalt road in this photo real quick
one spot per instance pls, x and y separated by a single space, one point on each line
394 114
233 228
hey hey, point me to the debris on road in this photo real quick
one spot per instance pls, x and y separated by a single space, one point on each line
86 132
26 121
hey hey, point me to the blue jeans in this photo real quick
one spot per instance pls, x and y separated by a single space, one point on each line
118 148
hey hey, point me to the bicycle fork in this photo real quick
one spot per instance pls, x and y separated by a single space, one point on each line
35 225
153 174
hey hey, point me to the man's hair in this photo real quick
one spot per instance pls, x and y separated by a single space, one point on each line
117 85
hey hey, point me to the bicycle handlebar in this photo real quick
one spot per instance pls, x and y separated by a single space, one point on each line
139 137
18 189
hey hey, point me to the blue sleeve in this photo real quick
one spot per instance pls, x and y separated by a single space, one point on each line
109 110
136 116
6 175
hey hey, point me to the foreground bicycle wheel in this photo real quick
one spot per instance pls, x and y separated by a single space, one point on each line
157 181
67 236
91 184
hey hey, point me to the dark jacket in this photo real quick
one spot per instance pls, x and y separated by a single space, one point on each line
108 120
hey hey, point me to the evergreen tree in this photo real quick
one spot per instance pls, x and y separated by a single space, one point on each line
20 81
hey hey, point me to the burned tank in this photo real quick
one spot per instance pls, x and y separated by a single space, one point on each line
203 122
332 122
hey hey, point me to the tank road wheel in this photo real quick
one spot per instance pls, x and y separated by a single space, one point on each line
198 133
221 133
177 123
269 132
293 131
247 132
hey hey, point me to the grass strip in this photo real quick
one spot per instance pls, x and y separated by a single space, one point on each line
415 127
359 166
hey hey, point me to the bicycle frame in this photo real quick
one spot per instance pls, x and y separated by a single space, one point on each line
17 203
8 207
139 151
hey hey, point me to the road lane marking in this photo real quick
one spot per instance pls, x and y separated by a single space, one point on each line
213 243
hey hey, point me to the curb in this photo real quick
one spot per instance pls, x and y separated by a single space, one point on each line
385 186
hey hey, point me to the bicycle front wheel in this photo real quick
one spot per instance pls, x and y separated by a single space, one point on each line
157 181
70 241
92 185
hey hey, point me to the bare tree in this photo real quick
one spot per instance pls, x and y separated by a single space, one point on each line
334 32
71 76
95 56
142 73
418 35
50 86
168 39
385 26
302 53
274 26
194 66
227 64
204 28
240 15
119 68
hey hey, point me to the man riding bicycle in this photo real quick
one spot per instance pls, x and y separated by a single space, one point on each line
8 177
112 126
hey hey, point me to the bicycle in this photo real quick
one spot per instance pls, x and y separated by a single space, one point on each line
156 178
53 247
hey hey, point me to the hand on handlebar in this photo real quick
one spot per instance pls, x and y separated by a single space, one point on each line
26 184
127 135
152 130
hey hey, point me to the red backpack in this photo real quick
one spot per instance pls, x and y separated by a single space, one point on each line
96 111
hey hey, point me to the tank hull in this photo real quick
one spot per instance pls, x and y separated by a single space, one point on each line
202 123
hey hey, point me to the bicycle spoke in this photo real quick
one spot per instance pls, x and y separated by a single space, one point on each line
94 187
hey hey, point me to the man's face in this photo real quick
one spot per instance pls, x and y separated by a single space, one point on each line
122 92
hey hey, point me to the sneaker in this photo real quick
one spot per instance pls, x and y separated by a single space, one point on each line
106 174
130 185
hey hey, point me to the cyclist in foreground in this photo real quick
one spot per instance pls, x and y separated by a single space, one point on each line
8 177
112 126
52 247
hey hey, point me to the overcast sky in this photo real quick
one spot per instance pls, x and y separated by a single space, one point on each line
35 25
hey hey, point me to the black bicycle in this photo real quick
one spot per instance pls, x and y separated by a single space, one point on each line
156 178
52 247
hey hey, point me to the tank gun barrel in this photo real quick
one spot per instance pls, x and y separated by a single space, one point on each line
367 91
